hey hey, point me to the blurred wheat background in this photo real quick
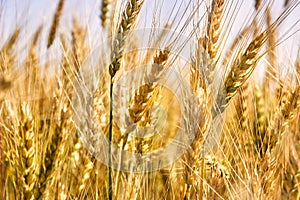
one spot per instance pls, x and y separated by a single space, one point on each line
244 68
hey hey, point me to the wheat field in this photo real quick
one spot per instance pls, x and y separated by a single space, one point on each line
151 100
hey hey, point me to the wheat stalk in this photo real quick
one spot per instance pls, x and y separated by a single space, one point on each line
129 16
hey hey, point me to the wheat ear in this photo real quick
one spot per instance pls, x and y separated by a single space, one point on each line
9 45
6 53
105 8
208 46
129 16
241 70
4 84
55 23
144 97
286 2
28 153
213 29
257 4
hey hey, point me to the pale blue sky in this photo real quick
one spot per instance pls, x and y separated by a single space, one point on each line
29 14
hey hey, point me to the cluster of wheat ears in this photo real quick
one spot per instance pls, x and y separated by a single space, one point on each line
256 156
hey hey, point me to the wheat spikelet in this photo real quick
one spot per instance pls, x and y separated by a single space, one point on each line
55 22
204 105
151 51
68 70
32 57
270 177
293 104
129 16
218 171
105 8
101 104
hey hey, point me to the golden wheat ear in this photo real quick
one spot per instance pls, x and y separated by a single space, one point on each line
240 71
129 15
105 9
257 4
9 45
55 23
213 27
7 54
286 2
244 65
208 45
145 96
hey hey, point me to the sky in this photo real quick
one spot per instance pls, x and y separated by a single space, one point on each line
29 14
